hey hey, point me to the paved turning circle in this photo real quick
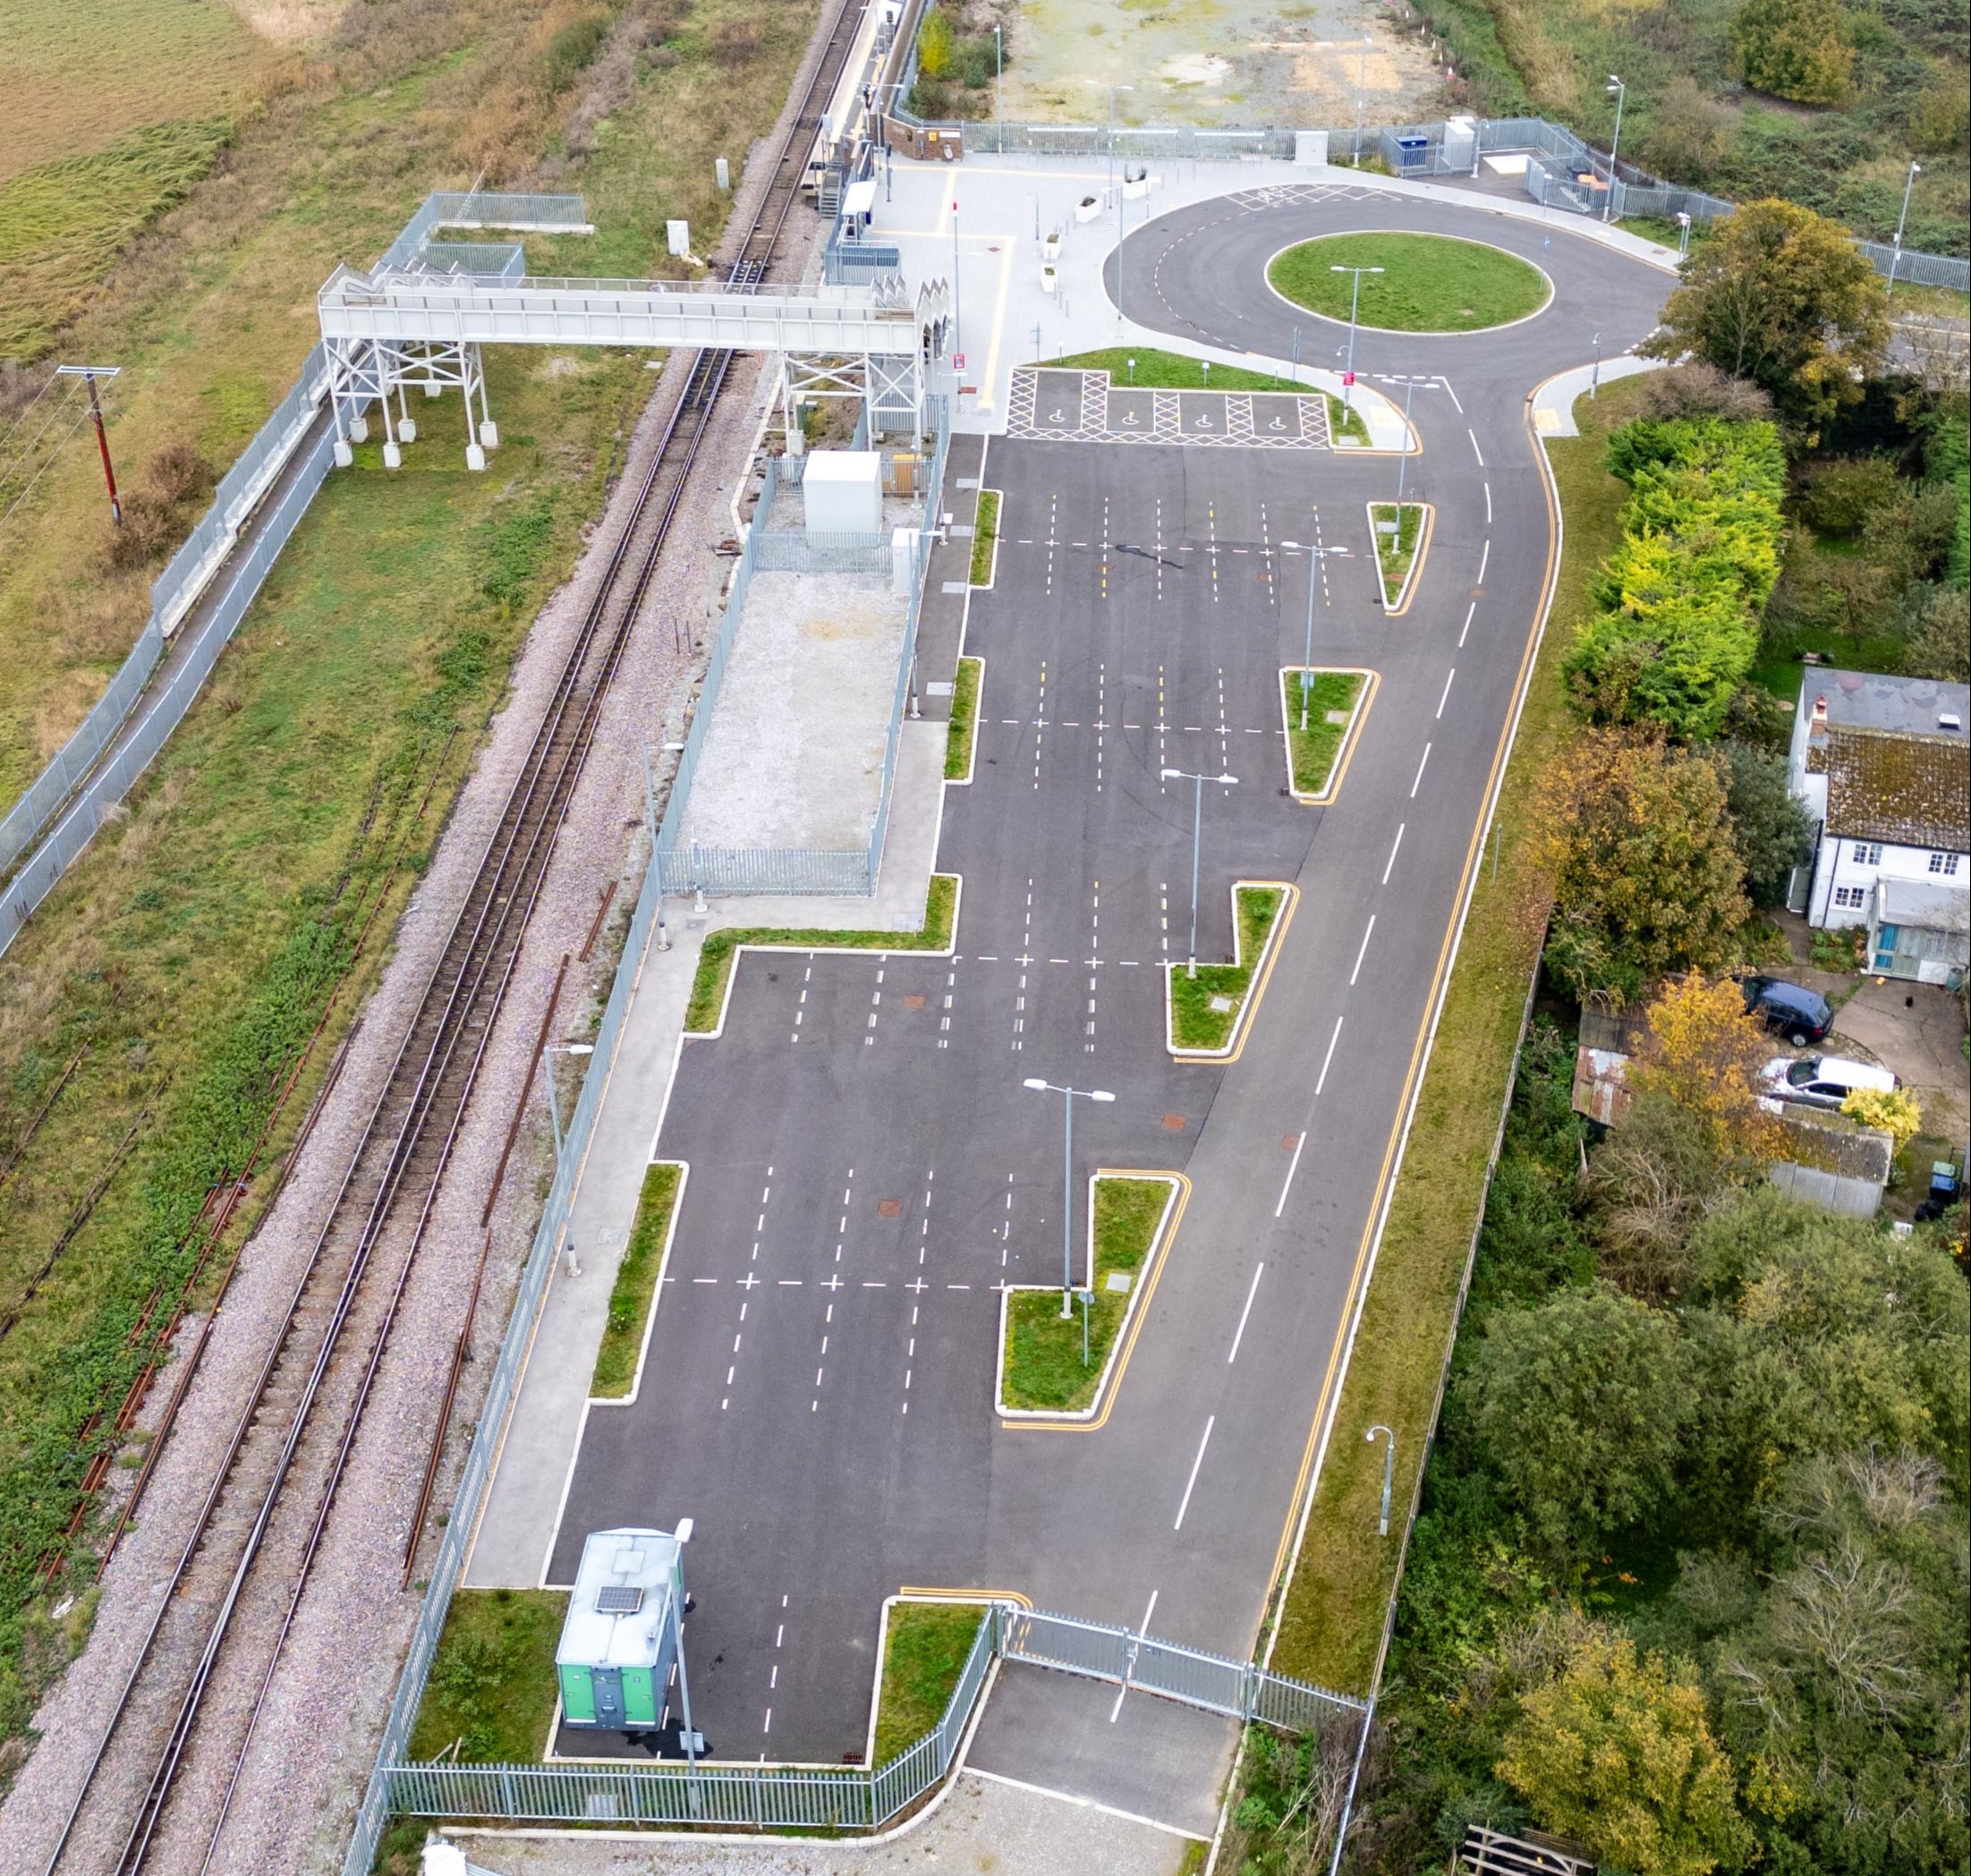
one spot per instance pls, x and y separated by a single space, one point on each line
1056 405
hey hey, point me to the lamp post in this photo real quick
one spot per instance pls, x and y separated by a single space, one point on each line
1316 554
1354 302
1068 1098
1226 780
1620 93
1595 375
554 1104
681 1537
998 84
1402 456
1389 1473
1683 234
1362 82
1895 258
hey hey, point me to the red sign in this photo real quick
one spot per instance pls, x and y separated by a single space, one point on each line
957 361
1347 377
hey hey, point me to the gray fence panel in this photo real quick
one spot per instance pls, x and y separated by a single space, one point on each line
790 551
1919 270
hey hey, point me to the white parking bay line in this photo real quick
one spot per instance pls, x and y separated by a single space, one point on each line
1210 1421
1238 1335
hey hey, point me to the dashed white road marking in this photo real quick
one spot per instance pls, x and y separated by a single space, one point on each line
1238 1334
1321 1081
1190 1484
1396 843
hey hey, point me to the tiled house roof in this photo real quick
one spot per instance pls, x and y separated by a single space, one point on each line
1891 785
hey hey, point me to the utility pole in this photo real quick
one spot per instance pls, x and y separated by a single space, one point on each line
88 374
1226 780
1354 302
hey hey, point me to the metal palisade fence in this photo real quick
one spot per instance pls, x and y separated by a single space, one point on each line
769 1797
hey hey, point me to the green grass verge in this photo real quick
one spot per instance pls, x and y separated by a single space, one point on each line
1194 1022
1313 748
964 731
636 1283
1331 1622
1345 420
492 1686
1395 552
1044 1369
715 962
984 532
924 1650
1168 371
1429 283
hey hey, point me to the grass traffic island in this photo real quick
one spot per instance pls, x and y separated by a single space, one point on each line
985 537
1321 718
1429 283
1143 367
1205 1014
925 1647
962 737
704 1014
1042 1369
615 1361
491 1697
1399 549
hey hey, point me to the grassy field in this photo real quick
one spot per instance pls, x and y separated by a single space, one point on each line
964 731
924 1652
1429 283
1313 748
1044 1367
252 887
492 1686
985 532
1396 550
1330 1624
721 950
636 1282
1194 1023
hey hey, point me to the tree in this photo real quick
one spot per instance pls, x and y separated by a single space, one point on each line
1578 1404
1772 830
1615 1751
1647 877
1781 296
1894 1110
937 44
1793 49
1704 1053
1939 641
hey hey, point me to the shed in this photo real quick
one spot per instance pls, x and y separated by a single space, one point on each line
844 491
620 1639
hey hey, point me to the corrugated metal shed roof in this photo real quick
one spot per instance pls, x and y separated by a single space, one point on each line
1890 786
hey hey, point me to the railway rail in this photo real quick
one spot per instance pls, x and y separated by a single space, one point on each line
163 1781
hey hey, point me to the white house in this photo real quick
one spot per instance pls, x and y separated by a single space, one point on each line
1883 766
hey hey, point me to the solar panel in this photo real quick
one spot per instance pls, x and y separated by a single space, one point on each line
615 1599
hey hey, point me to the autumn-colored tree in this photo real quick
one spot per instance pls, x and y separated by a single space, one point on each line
1783 297
1647 878
1615 1751
1793 49
1702 1052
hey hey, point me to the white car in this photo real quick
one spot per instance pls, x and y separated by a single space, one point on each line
1821 1080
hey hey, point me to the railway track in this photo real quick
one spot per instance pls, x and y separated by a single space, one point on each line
162 1783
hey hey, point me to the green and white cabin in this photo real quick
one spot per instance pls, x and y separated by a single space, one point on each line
620 1641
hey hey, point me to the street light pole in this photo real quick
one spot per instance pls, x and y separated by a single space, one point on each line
1895 260
1354 302
1226 780
1067 1175
1621 93
1402 456
998 84
1362 82
554 1104
1389 1473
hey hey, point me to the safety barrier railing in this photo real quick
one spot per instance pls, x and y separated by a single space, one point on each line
500 259
790 550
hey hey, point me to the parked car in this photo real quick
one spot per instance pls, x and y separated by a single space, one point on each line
1799 1014
1821 1081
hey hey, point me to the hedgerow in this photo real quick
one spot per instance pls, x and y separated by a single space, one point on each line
1677 627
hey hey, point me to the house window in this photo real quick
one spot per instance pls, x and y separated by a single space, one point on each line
1850 898
1944 863
1867 853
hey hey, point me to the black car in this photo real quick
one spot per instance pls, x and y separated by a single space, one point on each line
1801 1015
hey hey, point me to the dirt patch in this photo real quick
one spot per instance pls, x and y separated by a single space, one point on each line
1299 64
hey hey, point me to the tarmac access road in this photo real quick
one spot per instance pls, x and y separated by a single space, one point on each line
865 1166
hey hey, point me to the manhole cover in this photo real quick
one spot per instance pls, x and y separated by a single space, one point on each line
1173 1124
889 1208
914 1002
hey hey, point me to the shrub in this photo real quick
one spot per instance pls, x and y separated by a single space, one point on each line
1892 1109
1793 49
1697 388
151 530
1838 497
178 474
1939 641
937 44
1772 830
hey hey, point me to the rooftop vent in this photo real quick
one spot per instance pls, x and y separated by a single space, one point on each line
618 1599
1950 722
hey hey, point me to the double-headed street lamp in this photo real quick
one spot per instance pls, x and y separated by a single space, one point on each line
1226 780
1355 301
1068 1098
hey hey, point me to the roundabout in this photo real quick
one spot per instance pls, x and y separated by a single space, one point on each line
1410 282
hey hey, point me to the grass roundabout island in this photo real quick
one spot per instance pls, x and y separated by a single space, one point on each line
1429 283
